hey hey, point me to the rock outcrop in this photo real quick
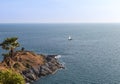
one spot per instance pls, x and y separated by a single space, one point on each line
50 67
32 66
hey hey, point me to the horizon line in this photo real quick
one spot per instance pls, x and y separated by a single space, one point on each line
52 22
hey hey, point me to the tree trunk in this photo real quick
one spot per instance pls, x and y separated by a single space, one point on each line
11 52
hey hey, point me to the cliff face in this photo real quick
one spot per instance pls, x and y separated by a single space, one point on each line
32 66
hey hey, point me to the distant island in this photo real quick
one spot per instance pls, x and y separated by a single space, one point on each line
24 66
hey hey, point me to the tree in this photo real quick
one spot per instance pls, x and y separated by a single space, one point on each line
10 44
10 77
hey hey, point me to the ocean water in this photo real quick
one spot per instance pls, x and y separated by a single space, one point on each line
92 57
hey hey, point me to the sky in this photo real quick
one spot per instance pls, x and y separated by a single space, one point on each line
59 11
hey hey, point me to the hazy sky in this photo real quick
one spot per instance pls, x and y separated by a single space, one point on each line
44 11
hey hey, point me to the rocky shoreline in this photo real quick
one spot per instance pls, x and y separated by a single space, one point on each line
50 67
30 65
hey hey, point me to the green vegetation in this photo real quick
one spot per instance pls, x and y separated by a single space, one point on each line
17 61
10 44
10 77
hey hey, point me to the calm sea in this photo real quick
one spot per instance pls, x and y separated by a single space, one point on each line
92 57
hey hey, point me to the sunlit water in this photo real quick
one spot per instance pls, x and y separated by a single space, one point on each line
92 57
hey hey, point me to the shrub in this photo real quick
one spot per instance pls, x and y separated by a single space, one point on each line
10 77
16 65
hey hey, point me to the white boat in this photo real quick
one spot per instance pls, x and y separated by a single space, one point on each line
69 38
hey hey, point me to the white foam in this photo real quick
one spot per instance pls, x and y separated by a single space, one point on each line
63 63
58 56
27 83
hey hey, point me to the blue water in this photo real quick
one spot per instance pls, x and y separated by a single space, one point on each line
92 57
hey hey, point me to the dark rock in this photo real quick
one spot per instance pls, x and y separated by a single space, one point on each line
50 67
45 70
36 71
29 75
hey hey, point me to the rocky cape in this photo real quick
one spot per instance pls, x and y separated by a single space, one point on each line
30 65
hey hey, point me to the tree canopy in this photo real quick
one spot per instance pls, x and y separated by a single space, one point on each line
10 44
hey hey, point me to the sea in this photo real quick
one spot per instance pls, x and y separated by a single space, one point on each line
91 57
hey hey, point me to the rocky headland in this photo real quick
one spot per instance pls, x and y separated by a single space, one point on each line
31 65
